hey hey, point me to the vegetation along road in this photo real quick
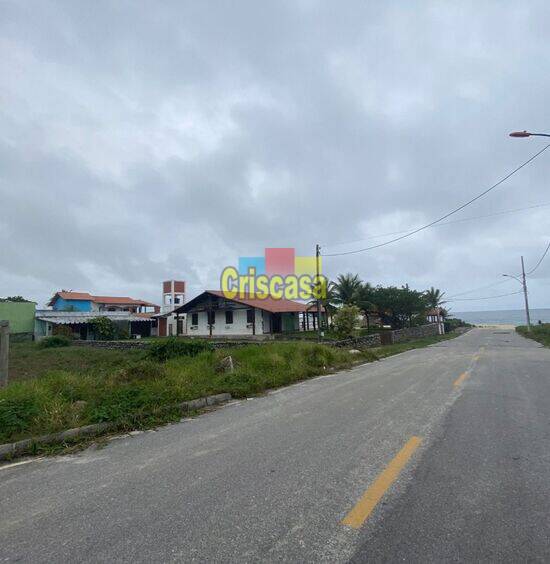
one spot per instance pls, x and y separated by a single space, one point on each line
436 454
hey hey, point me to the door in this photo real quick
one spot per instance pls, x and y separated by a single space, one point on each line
276 323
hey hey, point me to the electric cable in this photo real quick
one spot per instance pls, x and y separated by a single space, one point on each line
461 207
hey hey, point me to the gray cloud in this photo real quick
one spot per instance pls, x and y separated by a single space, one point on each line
140 143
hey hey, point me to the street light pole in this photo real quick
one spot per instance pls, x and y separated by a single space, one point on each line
318 269
523 282
525 295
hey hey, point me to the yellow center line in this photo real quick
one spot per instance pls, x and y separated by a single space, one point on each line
364 507
461 379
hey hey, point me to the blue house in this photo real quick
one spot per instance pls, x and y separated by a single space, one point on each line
85 302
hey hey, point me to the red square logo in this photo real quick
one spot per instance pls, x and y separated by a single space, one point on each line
279 261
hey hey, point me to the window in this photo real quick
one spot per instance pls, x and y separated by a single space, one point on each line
211 317
194 319
228 316
250 316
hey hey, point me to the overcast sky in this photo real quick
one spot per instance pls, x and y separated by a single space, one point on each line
142 141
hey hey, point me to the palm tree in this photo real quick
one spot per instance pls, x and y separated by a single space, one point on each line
364 300
434 297
328 302
434 300
347 287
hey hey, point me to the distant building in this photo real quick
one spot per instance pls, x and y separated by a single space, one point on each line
75 311
82 301
212 314
20 316
437 315
173 296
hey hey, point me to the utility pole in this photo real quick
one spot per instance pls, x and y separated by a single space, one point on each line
317 261
4 352
524 283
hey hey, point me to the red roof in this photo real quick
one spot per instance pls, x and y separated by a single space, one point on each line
122 300
268 304
73 295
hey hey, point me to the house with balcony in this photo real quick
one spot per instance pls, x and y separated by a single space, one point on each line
76 310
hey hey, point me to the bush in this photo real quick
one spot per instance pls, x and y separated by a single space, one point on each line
104 329
55 341
172 347
144 370
451 324
345 321
539 332
63 331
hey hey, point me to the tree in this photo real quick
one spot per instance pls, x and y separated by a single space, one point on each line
434 297
399 305
345 321
328 302
346 288
18 299
365 301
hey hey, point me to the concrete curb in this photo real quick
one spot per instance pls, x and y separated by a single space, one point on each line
10 450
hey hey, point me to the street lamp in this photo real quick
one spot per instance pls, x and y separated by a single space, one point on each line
522 281
528 134
524 285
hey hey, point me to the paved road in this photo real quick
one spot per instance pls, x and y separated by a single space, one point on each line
271 479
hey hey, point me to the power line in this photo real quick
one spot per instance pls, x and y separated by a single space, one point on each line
485 297
503 281
517 169
541 259
440 224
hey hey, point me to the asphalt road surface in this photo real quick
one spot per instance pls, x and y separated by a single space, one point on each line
438 454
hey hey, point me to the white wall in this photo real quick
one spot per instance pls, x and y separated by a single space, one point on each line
171 322
238 327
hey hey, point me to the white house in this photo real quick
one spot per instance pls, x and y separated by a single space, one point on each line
212 314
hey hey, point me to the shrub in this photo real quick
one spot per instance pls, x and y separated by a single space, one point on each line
452 323
16 414
345 321
55 341
172 347
144 370
63 331
103 328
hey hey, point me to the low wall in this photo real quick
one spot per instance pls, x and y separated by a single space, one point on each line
366 341
122 345
137 344
372 340
409 333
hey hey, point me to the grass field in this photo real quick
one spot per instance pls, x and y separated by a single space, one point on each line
56 389
540 333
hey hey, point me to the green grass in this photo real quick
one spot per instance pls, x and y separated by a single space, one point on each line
540 333
29 360
58 389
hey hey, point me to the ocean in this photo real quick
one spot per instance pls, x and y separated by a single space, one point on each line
504 316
